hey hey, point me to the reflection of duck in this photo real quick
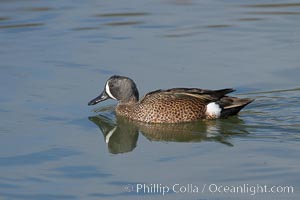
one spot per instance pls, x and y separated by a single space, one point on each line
169 106
187 132
121 136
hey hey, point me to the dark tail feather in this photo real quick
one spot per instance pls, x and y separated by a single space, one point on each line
232 105
220 93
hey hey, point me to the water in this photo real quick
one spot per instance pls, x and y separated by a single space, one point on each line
56 56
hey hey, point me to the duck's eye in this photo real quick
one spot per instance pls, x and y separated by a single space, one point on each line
108 88
111 85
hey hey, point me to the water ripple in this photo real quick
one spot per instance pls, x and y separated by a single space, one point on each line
128 14
25 25
273 5
37 157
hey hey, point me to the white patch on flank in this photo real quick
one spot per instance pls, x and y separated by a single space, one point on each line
108 91
110 133
213 109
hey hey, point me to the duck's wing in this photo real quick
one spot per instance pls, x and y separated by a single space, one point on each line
206 96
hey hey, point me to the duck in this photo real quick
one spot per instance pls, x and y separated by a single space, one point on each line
175 105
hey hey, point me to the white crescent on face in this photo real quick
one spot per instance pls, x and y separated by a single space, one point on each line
107 90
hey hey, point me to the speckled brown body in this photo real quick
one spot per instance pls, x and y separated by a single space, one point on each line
169 106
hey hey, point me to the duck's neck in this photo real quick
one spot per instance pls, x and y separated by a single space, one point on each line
126 109
132 100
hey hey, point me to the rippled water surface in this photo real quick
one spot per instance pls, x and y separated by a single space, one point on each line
56 56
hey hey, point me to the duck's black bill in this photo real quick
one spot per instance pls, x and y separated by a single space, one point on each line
102 97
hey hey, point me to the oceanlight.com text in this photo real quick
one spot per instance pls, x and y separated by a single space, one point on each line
247 189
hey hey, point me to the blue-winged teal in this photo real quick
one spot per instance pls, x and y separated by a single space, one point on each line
169 106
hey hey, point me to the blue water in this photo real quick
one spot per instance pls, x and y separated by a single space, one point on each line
55 56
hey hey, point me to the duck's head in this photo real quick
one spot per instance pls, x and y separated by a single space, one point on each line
119 88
